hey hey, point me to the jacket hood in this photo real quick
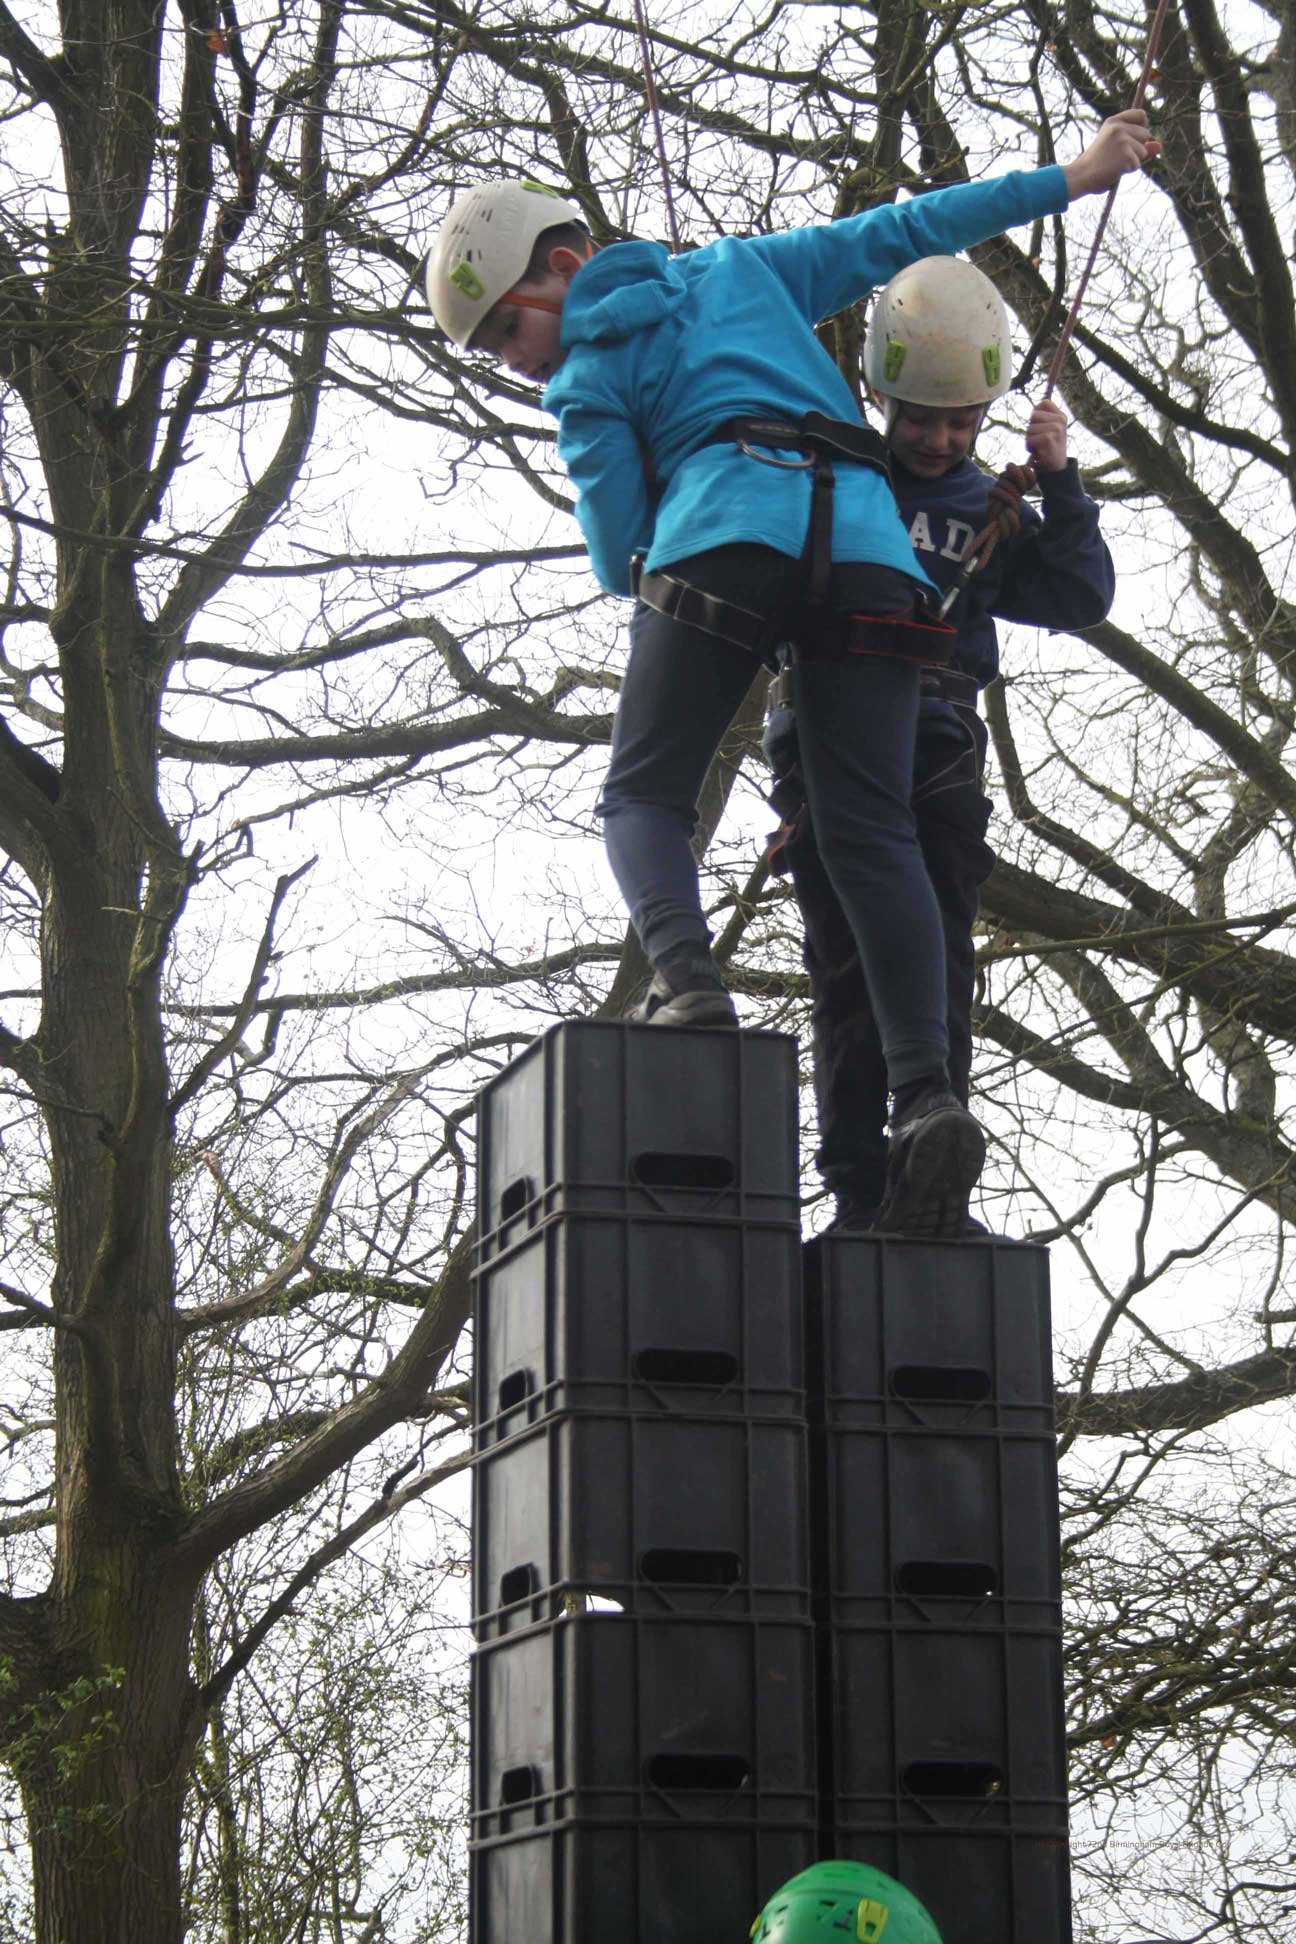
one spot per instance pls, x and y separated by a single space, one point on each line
623 289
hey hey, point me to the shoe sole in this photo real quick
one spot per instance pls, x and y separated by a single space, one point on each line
696 1009
930 1199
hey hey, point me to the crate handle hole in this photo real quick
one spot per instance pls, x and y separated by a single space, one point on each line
711 1367
518 1785
976 1779
519 1583
956 1579
676 1771
941 1383
661 1170
515 1389
515 1198
687 1566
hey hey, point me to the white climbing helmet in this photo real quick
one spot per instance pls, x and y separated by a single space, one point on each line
939 335
484 246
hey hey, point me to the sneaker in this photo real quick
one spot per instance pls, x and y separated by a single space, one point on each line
853 1217
688 992
976 1231
935 1155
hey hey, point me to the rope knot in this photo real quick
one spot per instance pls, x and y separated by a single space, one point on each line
1006 498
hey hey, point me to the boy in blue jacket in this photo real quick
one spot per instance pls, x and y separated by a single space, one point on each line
769 519
937 331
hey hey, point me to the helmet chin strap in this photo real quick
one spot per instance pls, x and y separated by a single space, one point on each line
530 303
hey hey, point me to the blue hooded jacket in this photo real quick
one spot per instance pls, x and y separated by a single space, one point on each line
659 351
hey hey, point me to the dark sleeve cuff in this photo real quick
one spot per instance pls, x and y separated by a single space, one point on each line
1062 488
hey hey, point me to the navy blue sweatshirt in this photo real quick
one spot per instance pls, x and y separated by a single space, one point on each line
1055 573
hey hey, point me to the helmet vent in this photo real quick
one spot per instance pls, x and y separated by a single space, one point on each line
715 1772
941 1383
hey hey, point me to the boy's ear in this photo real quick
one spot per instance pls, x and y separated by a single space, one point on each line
565 262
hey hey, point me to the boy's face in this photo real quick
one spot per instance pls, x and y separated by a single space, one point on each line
929 439
524 330
526 339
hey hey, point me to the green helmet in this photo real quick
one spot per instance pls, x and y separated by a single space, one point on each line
835 1901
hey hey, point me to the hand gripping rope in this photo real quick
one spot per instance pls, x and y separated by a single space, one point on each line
1006 493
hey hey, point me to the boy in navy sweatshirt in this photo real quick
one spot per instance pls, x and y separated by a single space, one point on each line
937 352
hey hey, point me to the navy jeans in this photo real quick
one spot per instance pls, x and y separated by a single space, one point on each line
849 1069
857 719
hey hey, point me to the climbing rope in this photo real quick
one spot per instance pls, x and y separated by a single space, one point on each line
1005 506
650 90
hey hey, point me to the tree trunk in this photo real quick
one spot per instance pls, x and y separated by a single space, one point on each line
104 1763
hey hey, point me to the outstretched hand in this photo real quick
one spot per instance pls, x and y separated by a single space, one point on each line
1046 439
1122 144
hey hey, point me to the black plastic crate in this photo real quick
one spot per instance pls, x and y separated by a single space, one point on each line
601 1117
609 1716
951 1335
640 1883
981 1886
933 1723
921 1527
662 1514
639 1313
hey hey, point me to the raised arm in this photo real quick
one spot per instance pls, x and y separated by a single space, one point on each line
831 265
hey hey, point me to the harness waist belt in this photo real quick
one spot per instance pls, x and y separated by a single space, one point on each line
912 635
815 433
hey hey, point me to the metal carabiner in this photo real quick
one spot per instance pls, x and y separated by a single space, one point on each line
788 465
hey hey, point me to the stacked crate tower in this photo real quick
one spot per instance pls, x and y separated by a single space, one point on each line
643 1682
935 1559
765 1561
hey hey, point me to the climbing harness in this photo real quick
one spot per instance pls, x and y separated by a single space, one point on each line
819 439
815 633
808 626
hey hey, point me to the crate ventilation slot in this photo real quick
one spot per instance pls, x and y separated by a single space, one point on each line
515 1197
515 1389
966 1779
675 1771
518 1785
660 1170
941 1383
953 1579
711 1367
519 1583
680 1566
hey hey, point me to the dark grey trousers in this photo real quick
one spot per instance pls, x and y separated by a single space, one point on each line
856 719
